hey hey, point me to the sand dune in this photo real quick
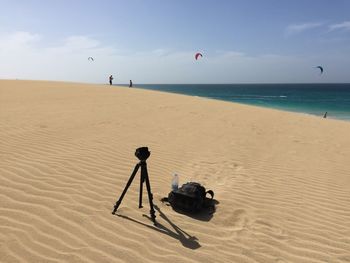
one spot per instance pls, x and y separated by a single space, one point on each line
281 179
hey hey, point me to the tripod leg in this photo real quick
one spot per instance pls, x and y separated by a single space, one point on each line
142 179
150 195
126 188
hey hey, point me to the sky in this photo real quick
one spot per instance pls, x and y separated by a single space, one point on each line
154 41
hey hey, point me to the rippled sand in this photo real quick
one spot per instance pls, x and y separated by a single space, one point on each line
281 180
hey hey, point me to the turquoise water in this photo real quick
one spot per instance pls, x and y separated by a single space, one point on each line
313 99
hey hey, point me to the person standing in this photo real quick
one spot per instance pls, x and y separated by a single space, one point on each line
110 79
130 84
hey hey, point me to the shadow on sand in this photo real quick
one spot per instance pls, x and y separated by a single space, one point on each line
186 239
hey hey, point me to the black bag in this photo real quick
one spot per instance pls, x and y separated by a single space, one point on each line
190 197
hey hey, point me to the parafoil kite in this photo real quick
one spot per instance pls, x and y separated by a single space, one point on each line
321 69
91 58
197 55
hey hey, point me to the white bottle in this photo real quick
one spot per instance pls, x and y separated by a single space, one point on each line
175 182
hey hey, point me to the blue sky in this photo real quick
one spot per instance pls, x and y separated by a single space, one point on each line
154 41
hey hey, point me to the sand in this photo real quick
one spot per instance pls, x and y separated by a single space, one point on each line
281 180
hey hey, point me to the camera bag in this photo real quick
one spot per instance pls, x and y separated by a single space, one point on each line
190 197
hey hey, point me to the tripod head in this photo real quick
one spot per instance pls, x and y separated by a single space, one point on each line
142 153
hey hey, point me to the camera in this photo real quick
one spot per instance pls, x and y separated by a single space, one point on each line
142 153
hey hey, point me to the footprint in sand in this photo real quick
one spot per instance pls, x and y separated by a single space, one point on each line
227 173
237 221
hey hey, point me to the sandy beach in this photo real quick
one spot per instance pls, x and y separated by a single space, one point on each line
281 179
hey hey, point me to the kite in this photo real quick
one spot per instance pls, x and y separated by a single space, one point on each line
321 69
91 58
197 55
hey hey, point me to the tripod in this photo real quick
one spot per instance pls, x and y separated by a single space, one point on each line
141 153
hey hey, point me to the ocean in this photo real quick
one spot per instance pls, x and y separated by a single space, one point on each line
315 99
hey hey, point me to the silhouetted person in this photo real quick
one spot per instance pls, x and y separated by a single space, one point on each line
130 84
110 80
325 115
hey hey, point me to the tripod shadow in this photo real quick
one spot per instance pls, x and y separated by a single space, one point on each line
186 239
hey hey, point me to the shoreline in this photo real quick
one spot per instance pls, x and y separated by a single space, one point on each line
346 119
241 103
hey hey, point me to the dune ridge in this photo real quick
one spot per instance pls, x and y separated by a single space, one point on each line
281 179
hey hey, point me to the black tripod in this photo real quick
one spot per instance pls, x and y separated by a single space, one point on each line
142 154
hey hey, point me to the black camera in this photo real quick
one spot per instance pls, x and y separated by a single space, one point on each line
142 153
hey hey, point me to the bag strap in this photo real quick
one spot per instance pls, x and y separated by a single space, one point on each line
211 193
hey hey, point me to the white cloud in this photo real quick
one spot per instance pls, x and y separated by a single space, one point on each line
18 41
161 52
341 26
24 55
299 28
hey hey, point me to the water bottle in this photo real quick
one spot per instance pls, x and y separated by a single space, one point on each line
175 182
